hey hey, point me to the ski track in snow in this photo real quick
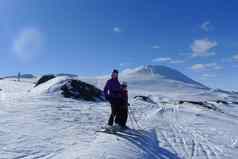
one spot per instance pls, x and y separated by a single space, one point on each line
52 127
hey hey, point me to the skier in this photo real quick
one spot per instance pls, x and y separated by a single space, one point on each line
123 113
112 92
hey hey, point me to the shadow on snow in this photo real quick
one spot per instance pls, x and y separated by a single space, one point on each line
147 141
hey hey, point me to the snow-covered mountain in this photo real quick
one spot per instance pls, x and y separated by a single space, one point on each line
154 79
159 73
159 79
183 120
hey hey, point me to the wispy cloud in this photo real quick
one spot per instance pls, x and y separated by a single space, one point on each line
234 66
235 58
208 76
176 61
206 67
162 59
167 60
202 47
155 46
124 64
206 26
27 43
117 29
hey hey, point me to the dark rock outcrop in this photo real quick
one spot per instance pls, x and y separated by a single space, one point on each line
191 102
222 102
202 104
235 102
77 89
44 79
145 99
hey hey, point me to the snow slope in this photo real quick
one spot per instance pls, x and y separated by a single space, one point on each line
39 124
160 81
159 72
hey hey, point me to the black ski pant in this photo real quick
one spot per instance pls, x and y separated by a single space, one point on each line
119 113
115 111
122 115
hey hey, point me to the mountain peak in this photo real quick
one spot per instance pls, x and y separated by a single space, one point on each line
162 72
150 69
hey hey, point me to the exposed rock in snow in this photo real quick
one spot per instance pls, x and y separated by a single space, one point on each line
234 102
69 88
222 102
44 79
202 104
145 98
80 90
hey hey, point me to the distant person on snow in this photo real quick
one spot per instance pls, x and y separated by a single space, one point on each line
18 76
112 92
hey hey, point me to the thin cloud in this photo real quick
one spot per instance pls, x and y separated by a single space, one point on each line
232 59
234 66
117 29
155 46
176 61
162 59
206 26
206 67
202 47
167 60
27 44
207 76
124 64
235 58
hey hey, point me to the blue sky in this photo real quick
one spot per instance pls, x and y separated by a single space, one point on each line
90 37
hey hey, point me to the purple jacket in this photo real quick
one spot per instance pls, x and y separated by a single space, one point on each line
112 89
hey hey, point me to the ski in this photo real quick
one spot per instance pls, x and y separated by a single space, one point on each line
128 131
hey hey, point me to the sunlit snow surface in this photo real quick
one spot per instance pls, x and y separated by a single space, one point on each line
48 126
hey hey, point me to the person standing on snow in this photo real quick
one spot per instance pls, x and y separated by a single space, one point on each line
123 113
18 76
112 92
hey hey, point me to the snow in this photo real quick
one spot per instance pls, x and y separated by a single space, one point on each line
51 87
40 123
157 72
